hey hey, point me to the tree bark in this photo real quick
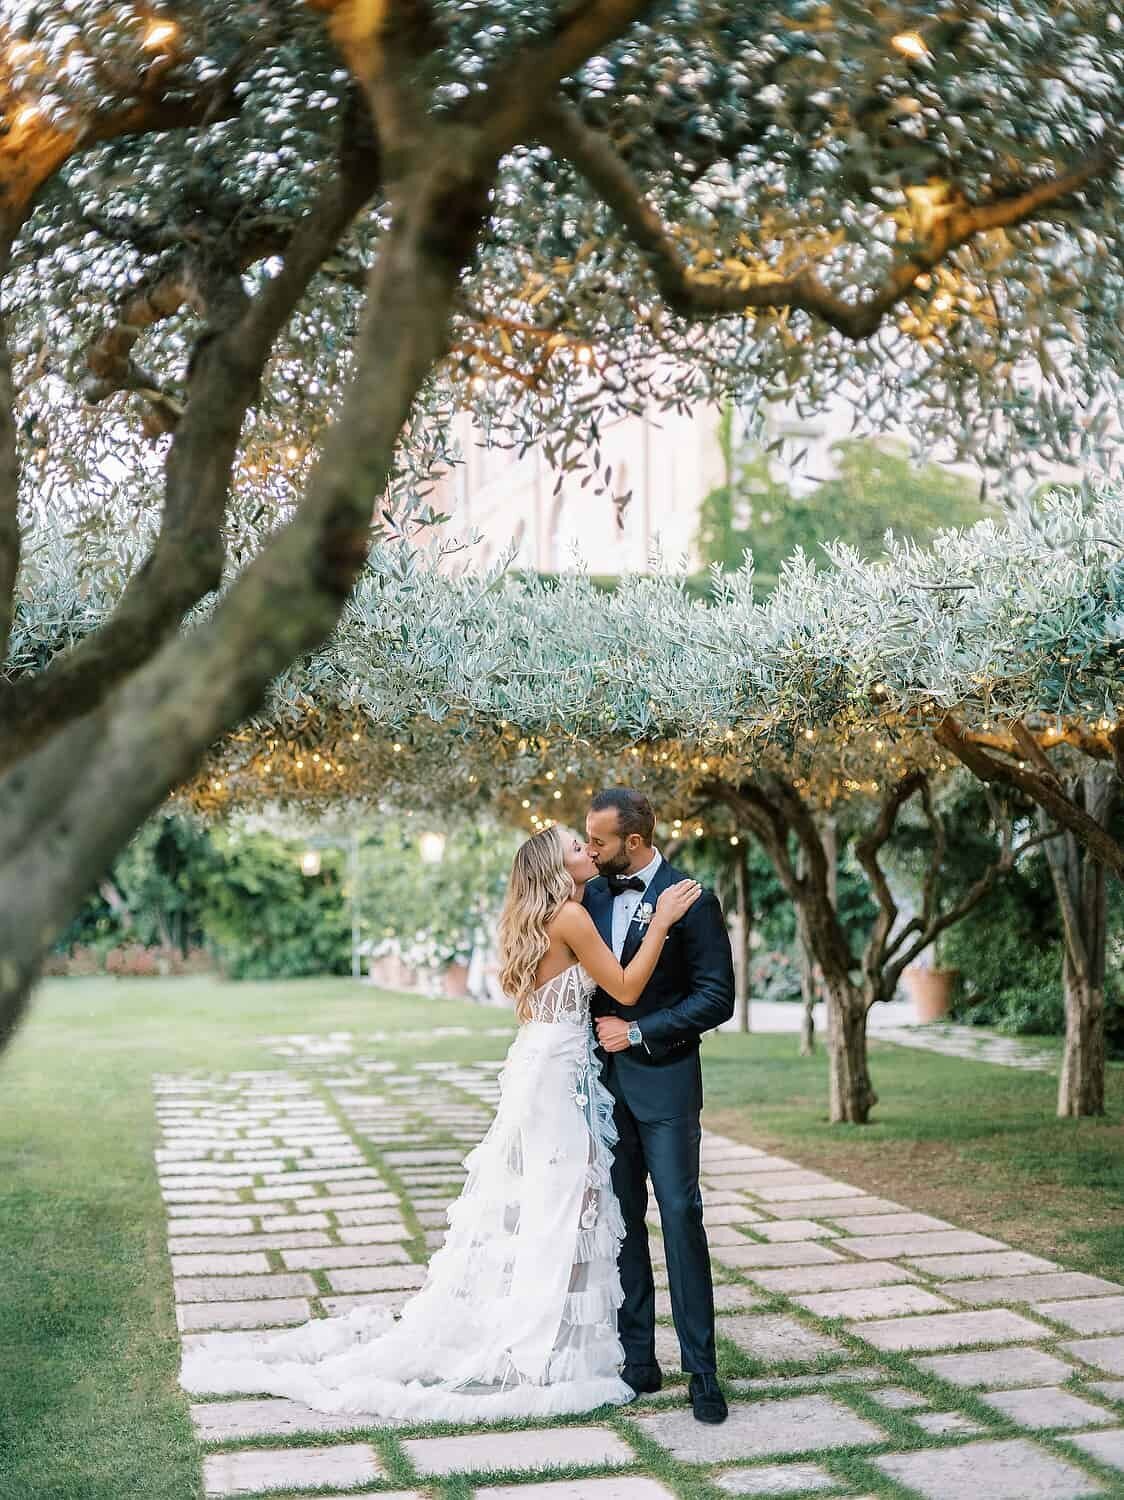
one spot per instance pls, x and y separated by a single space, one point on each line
1080 885
852 1095
808 990
112 768
743 907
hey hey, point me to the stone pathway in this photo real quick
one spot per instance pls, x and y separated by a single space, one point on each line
975 1043
866 1349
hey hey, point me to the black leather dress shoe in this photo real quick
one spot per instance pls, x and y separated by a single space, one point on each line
644 1379
705 1396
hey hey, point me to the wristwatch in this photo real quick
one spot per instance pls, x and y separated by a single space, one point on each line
635 1035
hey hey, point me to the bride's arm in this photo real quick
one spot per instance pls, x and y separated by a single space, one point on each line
574 926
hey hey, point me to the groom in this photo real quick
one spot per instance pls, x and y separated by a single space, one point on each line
651 1067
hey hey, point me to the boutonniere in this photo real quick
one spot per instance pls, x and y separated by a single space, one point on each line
644 914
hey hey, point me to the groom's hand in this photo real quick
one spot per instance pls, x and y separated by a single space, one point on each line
612 1033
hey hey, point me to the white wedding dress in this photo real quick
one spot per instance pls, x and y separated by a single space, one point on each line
517 1314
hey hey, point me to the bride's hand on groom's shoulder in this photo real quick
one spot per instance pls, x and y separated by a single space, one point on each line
676 901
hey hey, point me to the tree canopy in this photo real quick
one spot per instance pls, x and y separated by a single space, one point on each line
252 252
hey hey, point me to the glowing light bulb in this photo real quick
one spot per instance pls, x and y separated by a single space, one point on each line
910 44
160 34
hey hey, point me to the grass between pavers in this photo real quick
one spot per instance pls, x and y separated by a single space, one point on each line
971 1142
87 1303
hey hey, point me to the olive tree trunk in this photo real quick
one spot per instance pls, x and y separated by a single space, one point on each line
1080 886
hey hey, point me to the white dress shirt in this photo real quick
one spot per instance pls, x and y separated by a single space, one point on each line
627 904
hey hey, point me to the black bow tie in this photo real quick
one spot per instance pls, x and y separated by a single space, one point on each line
618 887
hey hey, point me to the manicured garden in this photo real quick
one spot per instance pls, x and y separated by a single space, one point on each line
88 1345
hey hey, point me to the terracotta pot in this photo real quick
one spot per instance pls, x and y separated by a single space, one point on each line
454 981
931 992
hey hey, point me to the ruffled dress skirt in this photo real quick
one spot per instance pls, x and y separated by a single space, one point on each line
517 1315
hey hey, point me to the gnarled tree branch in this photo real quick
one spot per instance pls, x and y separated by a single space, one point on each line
1045 791
186 561
562 129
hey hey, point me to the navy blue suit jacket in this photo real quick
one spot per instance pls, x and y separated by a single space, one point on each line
691 991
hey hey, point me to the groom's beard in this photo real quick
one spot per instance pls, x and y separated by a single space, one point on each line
617 865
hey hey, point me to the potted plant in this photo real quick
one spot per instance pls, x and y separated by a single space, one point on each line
930 988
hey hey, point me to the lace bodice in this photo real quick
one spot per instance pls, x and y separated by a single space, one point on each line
565 997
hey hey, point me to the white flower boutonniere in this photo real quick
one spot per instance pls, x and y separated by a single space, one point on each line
644 914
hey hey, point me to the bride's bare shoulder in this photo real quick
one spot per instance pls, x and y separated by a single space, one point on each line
569 914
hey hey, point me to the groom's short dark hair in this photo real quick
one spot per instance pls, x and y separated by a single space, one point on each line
634 811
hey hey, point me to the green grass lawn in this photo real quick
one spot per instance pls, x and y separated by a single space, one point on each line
89 1406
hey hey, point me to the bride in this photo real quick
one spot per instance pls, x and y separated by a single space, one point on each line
517 1314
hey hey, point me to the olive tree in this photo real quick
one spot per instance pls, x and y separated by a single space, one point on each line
252 253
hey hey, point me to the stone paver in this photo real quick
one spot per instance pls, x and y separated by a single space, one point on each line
874 1224
265 1169
1098 1315
1033 1288
998 1367
271 1312
205 1242
897 1398
947 1424
873 1302
776 1339
729 1213
760 1429
1105 1447
745 1257
972 1267
795 1229
830 1208
950 1330
937 1242
1113 1390
1011 1470
542 1448
807 1193
339 1256
243 1288
1048 1406
256 1469
773 1479
220 1265
616 1487
837 1278
377 1278
1104 1354
217 1421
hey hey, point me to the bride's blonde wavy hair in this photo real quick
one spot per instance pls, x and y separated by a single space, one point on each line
539 884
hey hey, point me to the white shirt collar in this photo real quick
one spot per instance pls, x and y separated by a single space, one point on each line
648 872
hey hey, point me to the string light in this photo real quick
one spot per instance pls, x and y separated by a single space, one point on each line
159 34
910 44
